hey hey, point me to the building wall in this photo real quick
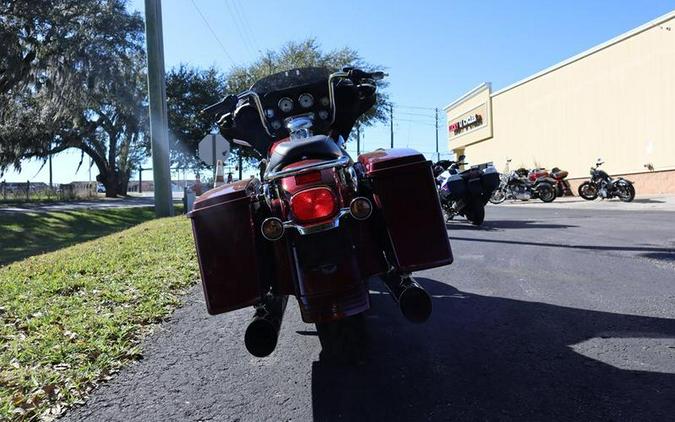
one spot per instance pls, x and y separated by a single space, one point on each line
617 103
477 101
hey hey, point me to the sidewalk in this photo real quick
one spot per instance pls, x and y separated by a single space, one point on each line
640 203
101 203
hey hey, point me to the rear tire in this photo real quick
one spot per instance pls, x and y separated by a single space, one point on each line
588 191
546 192
475 212
626 192
497 197
344 340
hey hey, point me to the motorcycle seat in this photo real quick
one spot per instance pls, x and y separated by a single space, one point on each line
318 147
561 174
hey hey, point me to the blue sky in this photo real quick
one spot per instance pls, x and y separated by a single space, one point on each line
434 51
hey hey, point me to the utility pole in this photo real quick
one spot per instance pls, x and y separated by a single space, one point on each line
159 131
391 123
358 140
241 164
51 185
438 155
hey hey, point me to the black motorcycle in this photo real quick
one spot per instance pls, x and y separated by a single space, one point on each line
517 185
602 185
465 192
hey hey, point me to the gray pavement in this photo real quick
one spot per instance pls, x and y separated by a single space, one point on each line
546 314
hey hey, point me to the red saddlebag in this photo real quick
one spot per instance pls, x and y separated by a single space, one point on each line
404 191
224 232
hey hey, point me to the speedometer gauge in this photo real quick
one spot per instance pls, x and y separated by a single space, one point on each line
286 105
306 100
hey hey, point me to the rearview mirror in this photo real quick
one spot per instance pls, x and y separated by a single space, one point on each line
378 75
245 145
242 143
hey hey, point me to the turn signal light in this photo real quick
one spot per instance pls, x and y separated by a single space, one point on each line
360 208
272 228
313 205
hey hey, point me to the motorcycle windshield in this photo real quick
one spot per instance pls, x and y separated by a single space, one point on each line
290 79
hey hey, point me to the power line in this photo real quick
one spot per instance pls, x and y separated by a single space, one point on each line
213 33
247 27
416 114
417 122
415 107
237 24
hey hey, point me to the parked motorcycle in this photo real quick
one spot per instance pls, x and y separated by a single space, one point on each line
317 224
465 192
562 186
517 185
602 185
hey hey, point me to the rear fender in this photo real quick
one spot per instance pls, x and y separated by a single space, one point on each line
543 183
621 180
328 281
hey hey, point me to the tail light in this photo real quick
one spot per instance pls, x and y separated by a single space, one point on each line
313 205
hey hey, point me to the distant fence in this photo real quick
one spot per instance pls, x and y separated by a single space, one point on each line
35 192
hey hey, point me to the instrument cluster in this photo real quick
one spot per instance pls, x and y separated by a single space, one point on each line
282 105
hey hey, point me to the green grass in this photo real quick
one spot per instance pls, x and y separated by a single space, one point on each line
26 234
71 318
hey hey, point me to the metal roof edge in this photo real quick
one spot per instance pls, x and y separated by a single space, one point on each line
590 51
473 92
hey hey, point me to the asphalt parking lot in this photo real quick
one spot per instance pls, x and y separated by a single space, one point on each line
548 313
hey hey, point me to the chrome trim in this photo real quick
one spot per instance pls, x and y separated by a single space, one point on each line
258 106
353 178
338 162
331 92
369 213
319 227
272 239
300 126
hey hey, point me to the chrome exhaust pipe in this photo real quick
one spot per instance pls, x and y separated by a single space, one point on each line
413 300
262 332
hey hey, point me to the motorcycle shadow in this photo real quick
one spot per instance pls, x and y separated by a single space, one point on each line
498 225
648 201
487 358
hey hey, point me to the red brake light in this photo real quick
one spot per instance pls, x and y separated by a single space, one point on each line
313 204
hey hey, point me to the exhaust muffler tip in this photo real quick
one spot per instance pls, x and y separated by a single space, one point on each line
415 304
261 338
412 299
262 332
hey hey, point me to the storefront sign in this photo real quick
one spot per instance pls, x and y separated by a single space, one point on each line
467 122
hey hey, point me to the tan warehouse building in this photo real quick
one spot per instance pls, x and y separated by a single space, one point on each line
615 101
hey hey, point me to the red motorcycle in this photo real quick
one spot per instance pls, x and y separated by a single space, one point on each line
317 225
557 177
562 185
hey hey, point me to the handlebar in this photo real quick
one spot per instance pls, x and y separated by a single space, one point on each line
226 105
